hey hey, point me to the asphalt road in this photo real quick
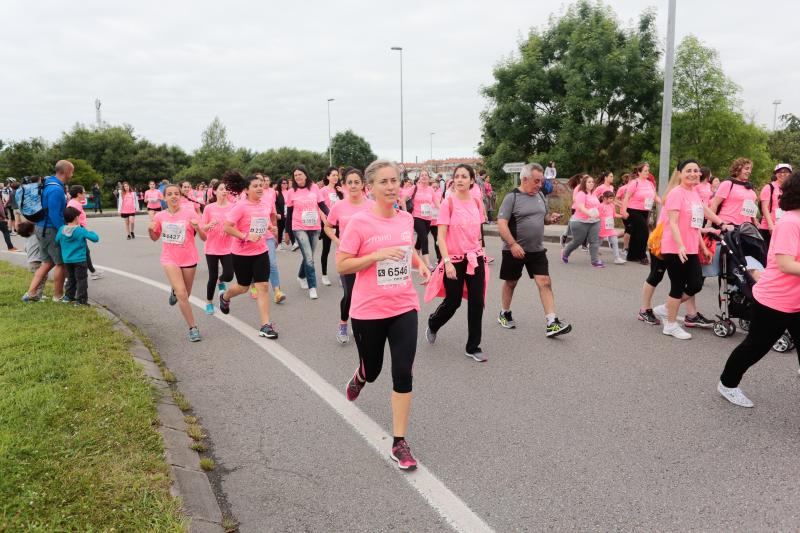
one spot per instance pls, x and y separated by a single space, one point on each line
611 427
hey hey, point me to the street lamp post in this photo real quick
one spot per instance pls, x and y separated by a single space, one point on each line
330 148
432 134
776 103
400 49
666 107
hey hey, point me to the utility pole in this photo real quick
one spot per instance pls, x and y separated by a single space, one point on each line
400 49
432 134
98 116
330 148
666 110
776 103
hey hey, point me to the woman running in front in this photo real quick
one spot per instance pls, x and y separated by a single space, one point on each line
585 223
128 205
218 244
304 209
249 222
776 295
377 247
424 200
640 196
270 198
176 228
331 193
460 219
153 197
340 215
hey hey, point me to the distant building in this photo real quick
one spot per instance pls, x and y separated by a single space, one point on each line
441 166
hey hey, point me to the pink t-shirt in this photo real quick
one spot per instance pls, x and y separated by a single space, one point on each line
424 201
268 199
250 217
217 241
776 211
775 289
305 213
77 205
690 220
329 195
643 195
606 220
476 192
177 237
199 196
343 211
153 198
463 219
189 205
703 190
603 188
128 203
589 201
738 203
385 288
621 191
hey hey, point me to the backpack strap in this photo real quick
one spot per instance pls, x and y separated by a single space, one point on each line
771 196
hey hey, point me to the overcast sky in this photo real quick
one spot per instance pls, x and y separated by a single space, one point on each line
267 68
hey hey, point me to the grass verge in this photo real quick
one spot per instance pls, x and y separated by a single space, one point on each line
79 446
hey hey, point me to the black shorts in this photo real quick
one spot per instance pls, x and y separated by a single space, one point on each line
154 209
535 263
251 268
127 215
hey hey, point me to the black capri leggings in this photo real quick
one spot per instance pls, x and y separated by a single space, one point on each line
348 281
281 228
326 249
685 278
639 232
214 276
422 227
435 233
657 270
371 337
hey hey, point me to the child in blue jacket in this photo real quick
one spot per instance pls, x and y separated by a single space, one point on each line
72 239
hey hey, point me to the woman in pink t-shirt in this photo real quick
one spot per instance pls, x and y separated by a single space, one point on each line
735 200
608 231
335 226
585 223
770 196
424 199
176 228
434 216
640 197
77 195
703 188
776 295
128 205
464 264
218 244
377 247
152 198
331 193
606 181
305 210
188 200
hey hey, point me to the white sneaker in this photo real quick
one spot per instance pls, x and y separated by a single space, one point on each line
281 247
312 293
295 246
675 330
303 283
619 261
326 281
734 395
661 312
98 274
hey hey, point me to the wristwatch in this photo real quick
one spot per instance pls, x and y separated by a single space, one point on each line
446 260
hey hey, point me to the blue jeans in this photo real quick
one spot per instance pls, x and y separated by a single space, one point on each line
274 275
308 242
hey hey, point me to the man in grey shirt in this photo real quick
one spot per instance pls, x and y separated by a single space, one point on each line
520 221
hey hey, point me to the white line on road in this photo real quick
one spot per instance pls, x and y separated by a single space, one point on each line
435 493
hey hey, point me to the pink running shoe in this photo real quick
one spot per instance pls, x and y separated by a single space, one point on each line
402 454
354 387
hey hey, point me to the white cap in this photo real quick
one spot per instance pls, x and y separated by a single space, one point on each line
780 166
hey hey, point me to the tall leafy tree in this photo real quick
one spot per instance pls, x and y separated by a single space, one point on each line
784 144
109 150
351 150
26 158
279 162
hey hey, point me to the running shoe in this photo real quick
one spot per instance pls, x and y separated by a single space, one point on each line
734 395
209 309
253 293
674 330
312 293
12 249
648 317
295 246
619 261
585 248
342 335
303 283
505 320
222 286
98 274
354 387
556 328
489 260
562 240
194 334
564 259
478 355
129 236
598 264
133 236
644 261
279 296
402 454
28 299
268 331
697 321
64 299
660 311
325 280
224 305
430 336
172 298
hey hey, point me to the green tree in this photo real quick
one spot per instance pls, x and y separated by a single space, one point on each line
109 150
351 150
279 162
784 144
583 92
31 157
156 162
215 156
85 175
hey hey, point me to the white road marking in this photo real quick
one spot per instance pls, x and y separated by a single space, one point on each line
436 494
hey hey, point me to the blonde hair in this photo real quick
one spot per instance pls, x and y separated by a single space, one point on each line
674 181
375 166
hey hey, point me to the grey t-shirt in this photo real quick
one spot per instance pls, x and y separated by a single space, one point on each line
529 212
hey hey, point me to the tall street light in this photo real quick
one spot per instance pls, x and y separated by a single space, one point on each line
666 106
400 49
776 103
330 152
432 134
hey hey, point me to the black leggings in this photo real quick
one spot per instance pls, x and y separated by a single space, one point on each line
6 234
371 337
89 263
766 328
435 233
637 226
281 228
214 276
422 227
685 278
326 249
348 281
454 291
657 270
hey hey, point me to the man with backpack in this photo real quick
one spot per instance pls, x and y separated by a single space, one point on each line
520 221
49 220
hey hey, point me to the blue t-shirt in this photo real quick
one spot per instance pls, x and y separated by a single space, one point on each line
55 201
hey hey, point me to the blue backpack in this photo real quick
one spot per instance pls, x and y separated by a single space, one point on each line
29 200
547 187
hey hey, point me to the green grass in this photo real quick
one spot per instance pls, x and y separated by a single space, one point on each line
79 446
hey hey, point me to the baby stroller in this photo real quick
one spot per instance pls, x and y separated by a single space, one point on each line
736 283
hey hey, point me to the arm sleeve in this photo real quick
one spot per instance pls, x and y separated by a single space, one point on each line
92 236
289 211
324 208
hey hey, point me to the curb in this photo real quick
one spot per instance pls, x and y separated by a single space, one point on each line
110 214
189 482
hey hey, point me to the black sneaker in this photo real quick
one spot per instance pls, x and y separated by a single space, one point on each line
268 331
224 305
648 317
697 321
506 320
172 298
556 328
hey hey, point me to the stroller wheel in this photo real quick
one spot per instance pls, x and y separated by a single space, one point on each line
724 328
744 324
784 344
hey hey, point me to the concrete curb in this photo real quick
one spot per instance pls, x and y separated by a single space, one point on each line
189 482
110 214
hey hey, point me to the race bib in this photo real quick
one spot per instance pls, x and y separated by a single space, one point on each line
648 203
434 212
391 272
778 214
749 208
258 225
697 216
425 210
173 232
333 197
309 218
608 223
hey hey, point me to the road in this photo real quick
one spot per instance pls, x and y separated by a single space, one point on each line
612 427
